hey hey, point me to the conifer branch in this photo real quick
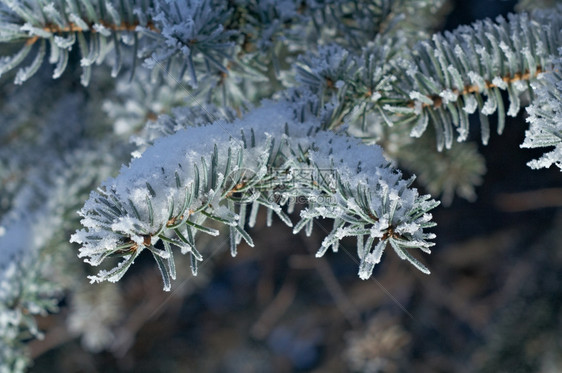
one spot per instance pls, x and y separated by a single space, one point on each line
545 118
163 200
71 28
439 81
438 101
366 67
463 71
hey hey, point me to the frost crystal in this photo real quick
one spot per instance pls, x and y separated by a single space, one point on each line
165 196
545 118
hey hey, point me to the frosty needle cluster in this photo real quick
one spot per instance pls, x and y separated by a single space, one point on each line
268 158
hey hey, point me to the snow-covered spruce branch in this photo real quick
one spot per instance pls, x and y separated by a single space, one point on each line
346 88
25 289
268 158
545 118
456 171
179 32
28 258
52 166
461 72
194 36
201 37
97 28
442 80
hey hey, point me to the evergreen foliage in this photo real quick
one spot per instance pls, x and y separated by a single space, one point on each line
241 106
269 164
545 118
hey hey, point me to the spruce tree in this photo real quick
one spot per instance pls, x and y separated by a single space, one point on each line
222 109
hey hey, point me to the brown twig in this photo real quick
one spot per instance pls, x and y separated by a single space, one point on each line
438 101
235 189
72 28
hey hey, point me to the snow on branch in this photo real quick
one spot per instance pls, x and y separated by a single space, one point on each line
545 118
266 159
97 28
441 80
181 31
461 72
